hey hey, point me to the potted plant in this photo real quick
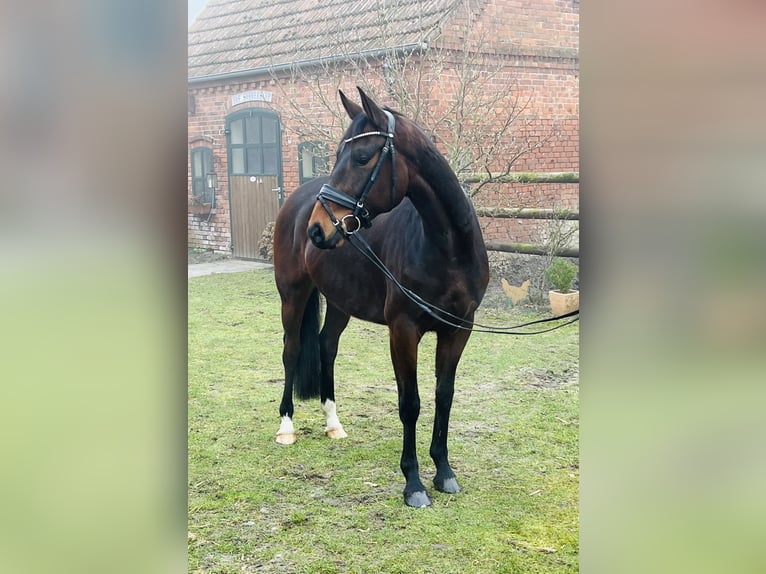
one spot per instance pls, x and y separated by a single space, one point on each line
563 298
197 207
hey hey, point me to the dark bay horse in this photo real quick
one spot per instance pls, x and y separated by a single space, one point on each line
392 187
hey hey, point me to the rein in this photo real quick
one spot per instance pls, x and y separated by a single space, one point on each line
434 311
358 211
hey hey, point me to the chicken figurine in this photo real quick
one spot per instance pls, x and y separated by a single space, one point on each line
516 294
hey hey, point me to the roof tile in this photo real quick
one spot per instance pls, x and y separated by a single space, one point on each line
235 35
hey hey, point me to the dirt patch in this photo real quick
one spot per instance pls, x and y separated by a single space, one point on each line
517 268
548 379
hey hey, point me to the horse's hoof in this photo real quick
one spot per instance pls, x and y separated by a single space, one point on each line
417 499
449 485
337 432
287 438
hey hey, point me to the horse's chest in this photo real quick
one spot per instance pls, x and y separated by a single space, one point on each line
350 287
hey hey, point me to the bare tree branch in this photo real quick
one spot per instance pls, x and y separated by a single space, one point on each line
460 93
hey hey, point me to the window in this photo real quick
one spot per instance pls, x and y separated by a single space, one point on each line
254 143
313 160
201 165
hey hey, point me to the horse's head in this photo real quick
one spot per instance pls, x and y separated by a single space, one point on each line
367 179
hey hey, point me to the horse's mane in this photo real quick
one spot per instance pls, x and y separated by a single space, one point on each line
433 166
419 149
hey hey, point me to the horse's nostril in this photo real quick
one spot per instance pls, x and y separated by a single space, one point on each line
316 234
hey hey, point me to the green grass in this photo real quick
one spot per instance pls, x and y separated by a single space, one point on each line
324 506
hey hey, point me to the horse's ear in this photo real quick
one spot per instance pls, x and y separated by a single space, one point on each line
374 113
352 109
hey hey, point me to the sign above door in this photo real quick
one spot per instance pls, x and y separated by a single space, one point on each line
251 96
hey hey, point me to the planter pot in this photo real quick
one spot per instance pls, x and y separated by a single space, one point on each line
563 303
200 208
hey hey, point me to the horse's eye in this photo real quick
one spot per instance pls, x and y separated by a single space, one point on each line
362 159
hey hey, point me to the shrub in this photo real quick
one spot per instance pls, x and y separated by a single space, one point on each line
561 274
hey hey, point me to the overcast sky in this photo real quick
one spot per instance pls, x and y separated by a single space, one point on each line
195 7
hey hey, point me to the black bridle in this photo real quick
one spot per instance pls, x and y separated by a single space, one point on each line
359 212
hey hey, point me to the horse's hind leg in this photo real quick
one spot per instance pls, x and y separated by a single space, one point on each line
449 348
294 307
291 322
334 324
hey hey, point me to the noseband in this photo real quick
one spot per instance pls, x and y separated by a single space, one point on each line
358 211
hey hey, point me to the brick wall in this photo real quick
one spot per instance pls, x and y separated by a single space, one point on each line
206 128
535 42
534 195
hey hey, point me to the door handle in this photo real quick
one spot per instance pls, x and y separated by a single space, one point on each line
277 189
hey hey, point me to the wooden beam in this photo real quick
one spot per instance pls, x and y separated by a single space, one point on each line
529 249
527 213
525 177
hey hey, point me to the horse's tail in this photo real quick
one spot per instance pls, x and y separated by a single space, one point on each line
309 368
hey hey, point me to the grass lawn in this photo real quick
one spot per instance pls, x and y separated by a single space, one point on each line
325 506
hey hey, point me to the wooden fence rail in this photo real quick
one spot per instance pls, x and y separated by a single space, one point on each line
528 212
530 249
524 177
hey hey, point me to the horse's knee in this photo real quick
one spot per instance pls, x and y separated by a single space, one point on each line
409 409
290 352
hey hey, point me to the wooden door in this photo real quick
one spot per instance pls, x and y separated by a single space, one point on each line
255 166
254 204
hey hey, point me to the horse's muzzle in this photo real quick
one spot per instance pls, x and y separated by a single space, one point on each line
317 236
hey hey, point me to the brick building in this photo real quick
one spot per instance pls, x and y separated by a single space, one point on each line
264 116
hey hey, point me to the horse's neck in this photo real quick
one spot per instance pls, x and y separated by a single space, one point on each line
443 206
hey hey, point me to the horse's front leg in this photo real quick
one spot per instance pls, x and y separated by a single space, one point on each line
334 324
404 339
449 348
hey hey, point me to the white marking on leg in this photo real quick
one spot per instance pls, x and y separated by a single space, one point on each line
333 429
286 432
